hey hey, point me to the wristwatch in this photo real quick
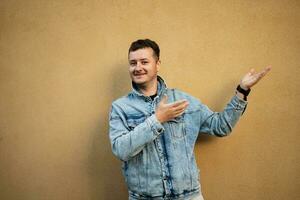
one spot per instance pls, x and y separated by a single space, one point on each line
244 92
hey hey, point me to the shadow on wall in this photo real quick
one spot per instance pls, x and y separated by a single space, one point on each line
221 99
106 179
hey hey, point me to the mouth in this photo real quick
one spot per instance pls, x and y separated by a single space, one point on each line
139 75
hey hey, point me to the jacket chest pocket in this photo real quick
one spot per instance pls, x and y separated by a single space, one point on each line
177 127
135 120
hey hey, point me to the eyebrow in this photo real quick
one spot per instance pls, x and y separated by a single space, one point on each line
142 59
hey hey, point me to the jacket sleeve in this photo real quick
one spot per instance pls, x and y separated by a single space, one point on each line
127 143
221 123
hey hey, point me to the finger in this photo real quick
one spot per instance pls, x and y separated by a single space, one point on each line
178 114
266 70
164 100
181 107
177 103
263 73
179 110
252 71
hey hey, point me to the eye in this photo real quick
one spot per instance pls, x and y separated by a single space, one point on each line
132 63
144 62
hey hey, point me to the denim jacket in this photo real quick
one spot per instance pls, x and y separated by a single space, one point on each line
158 160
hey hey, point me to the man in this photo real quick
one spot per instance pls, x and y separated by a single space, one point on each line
153 129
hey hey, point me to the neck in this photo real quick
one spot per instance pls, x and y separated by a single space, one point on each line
149 89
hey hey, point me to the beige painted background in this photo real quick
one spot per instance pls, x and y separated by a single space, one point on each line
64 61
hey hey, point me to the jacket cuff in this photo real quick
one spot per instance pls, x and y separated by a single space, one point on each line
155 125
239 103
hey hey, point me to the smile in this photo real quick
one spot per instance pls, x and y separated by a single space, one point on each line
139 74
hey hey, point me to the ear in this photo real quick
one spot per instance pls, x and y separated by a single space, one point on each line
158 65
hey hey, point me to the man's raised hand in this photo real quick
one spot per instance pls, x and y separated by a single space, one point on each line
252 77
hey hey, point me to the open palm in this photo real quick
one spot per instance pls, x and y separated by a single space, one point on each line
252 77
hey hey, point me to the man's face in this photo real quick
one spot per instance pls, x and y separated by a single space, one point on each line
143 66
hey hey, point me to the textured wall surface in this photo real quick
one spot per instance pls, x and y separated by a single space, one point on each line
62 62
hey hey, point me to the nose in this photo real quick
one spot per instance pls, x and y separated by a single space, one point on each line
138 66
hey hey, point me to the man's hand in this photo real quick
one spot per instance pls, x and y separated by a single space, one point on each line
167 111
252 77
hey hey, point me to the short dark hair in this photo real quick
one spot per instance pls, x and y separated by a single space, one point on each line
145 43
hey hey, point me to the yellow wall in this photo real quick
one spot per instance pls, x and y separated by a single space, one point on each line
64 61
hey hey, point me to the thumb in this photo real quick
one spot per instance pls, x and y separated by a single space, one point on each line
164 100
251 71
